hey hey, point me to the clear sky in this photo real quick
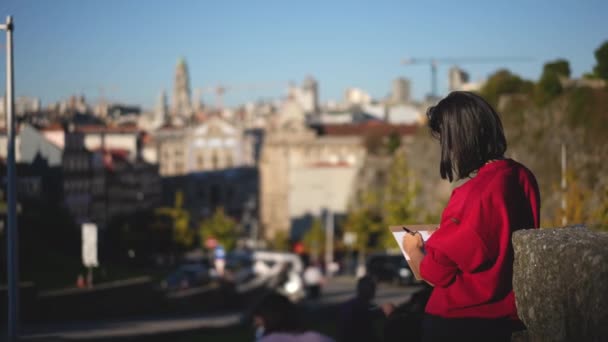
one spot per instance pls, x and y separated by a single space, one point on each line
130 47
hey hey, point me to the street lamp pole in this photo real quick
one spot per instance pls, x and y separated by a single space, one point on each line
12 239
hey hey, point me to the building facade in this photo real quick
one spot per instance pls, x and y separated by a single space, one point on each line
303 174
212 145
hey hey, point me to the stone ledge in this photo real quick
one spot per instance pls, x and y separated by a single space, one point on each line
560 280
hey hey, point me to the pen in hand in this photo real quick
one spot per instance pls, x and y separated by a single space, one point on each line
408 231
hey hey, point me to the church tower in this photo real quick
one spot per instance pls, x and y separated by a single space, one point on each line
181 107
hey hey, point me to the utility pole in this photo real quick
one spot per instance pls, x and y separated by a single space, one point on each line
329 241
564 186
11 181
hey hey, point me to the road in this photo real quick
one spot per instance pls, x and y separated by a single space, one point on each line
336 291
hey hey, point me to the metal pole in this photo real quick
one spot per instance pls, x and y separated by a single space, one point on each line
329 242
11 181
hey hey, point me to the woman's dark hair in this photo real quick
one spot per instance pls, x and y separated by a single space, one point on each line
278 314
469 131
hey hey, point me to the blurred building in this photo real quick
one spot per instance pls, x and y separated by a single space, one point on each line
131 185
4 141
98 136
307 95
204 192
356 97
212 145
98 184
404 113
459 79
302 173
181 107
23 105
400 91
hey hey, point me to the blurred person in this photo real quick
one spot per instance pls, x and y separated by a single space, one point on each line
357 316
405 322
469 259
276 319
313 279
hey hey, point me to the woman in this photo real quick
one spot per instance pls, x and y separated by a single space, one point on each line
469 259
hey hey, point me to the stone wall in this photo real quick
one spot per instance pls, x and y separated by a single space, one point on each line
560 280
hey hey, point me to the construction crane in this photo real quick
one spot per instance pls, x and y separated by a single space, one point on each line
434 62
220 90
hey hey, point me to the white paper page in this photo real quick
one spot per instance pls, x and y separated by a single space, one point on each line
399 237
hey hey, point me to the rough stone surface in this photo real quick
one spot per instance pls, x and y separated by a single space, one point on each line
560 280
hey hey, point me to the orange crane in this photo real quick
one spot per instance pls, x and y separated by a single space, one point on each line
220 90
434 62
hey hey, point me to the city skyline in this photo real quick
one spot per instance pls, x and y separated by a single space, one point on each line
131 51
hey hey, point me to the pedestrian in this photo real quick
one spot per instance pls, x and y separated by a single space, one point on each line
313 279
276 319
469 259
358 315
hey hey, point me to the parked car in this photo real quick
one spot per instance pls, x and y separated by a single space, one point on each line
188 276
391 268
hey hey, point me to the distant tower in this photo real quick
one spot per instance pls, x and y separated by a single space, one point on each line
160 110
309 95
401 90
181 91
458 78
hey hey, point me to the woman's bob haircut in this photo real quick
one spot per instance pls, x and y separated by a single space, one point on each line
469 131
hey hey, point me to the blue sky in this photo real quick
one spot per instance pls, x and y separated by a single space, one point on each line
131 47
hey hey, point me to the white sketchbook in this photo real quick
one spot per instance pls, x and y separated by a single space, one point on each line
425 231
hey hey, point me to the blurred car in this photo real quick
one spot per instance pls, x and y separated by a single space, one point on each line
239 267
188 276
391 268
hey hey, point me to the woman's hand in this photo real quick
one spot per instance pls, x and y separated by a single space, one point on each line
412 242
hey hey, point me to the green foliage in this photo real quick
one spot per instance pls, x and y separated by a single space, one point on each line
400 193
394 203
314 239
220 227
280 241
364 221
504 82
601 56
182 234
394 142
559 67
549 86
576 196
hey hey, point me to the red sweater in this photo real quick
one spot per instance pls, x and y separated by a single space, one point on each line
469 258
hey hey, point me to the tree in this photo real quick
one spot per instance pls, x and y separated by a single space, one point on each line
559 67
399 196
280 242
314 239
601 56
504 82
182 234
220 227
365 222
549 85
394 142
